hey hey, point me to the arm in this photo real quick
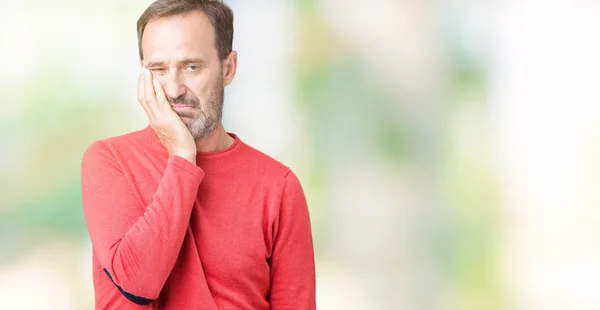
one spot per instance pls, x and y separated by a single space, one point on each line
137 245
292 261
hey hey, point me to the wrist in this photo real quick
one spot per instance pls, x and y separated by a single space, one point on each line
187 156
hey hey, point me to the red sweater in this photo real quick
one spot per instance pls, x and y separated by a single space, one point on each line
232 232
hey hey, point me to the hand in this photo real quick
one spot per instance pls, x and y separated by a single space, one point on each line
168 126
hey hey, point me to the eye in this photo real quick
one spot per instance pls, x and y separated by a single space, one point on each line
191 68
159 71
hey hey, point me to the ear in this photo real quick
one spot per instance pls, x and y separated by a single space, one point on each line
229 68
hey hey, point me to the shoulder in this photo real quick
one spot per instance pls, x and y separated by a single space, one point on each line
258 162
133 140
279 182
108 148
276 176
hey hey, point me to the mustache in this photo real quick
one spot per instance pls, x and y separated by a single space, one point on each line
190 100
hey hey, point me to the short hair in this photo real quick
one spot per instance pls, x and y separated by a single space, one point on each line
219 14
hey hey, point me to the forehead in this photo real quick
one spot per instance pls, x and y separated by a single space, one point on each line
177 37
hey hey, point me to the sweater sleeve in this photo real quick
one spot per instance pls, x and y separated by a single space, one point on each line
292 261
136 245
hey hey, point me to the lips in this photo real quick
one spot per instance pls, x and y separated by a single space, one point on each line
181 107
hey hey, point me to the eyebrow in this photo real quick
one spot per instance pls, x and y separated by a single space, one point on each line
183 62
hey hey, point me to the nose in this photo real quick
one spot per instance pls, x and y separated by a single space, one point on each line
173 84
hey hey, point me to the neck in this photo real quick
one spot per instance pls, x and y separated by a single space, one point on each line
216 141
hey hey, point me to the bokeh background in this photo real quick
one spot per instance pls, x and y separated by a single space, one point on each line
449 150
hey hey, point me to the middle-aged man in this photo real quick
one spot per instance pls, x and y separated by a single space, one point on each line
182 214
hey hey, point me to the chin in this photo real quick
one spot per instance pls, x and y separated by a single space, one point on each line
187 117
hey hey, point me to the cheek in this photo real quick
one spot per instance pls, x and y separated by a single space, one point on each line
162 79
202 85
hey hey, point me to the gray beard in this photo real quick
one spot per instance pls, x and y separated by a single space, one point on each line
204 125
209 118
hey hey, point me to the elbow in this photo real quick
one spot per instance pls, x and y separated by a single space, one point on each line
132 278
144 297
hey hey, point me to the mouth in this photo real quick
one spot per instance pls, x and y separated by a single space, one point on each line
182 108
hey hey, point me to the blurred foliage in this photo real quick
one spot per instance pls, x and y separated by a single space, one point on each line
346 110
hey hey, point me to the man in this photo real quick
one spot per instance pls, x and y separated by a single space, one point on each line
182 214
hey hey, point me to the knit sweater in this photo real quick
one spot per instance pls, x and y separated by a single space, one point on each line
230 232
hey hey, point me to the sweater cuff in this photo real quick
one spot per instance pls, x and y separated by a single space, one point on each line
185 165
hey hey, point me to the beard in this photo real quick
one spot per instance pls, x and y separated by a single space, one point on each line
208 117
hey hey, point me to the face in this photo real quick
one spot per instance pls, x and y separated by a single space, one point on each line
180 51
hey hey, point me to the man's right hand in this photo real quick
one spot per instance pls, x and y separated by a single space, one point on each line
168 126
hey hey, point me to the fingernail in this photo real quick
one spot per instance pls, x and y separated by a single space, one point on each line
146 72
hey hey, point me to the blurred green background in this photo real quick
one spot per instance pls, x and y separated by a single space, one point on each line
449 150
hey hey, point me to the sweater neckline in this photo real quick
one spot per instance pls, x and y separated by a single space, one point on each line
200 155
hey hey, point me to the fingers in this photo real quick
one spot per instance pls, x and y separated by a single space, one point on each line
161 97
142 98
149 93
